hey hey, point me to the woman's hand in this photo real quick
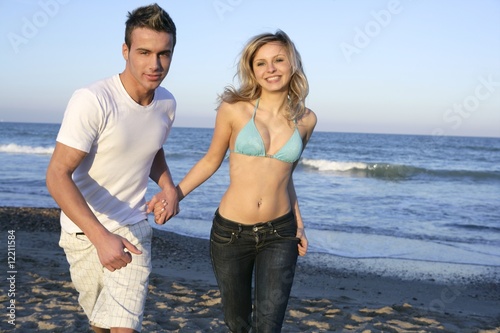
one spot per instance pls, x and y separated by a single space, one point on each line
303 243
164 205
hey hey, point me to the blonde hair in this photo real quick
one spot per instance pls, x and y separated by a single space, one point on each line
249 89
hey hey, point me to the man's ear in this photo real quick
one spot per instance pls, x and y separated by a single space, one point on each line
125 51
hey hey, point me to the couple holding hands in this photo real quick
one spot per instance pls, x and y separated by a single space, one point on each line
110 143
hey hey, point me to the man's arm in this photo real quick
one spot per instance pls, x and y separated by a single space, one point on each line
63 189
167 197
204 168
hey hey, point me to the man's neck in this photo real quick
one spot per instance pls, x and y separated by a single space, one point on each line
140 96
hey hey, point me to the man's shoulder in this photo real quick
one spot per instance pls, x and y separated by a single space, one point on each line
102 89
103 84
164 93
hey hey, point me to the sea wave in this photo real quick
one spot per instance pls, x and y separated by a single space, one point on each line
489 229
394 171
13 148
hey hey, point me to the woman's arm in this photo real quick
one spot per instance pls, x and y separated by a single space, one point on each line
301 234
204 168
309 122
212 160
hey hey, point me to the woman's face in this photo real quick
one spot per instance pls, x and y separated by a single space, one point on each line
272 68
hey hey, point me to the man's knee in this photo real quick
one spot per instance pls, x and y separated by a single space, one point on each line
100 330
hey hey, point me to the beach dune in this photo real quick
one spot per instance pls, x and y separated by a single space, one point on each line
183 296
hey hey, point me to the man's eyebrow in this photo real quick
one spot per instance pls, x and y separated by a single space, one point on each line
148 50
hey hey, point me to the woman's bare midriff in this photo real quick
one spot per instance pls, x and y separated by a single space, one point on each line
253 198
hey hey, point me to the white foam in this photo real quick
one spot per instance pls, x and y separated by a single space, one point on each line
326 165
18 149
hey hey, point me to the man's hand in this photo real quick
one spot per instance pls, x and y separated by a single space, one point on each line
114 251
164 205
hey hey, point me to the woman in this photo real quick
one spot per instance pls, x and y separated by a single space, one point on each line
258 228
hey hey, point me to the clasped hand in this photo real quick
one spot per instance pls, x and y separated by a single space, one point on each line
164 206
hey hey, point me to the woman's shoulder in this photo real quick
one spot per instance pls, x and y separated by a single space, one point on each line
309 118
236 108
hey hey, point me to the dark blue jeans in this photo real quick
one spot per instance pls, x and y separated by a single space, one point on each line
268 250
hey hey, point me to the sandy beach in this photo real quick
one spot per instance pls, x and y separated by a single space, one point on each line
329 294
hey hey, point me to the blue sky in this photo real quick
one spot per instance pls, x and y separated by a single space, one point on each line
391 66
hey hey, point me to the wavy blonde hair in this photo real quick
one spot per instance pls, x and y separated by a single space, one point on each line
250 90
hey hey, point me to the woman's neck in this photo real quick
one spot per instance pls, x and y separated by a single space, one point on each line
274 103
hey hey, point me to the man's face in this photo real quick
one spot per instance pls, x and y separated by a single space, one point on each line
148 59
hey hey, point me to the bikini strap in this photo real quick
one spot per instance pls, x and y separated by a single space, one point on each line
256 107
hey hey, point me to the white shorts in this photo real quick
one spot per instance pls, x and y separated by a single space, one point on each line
111 299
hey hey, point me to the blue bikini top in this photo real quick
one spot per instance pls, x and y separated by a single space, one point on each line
249 142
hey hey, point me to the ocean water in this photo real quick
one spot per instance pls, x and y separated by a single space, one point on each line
414 198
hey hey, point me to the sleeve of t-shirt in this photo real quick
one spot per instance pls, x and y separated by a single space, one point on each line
81 122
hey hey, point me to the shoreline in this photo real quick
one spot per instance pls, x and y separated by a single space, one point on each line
384 254
330 294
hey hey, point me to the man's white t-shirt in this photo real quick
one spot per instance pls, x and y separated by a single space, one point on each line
121 138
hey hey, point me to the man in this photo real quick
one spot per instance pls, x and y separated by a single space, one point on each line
109 143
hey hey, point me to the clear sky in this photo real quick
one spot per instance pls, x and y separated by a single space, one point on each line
375 66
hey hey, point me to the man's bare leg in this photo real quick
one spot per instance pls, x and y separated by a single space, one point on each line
113 330
100 330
